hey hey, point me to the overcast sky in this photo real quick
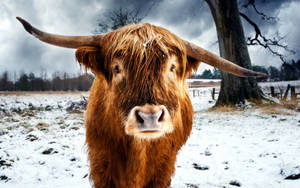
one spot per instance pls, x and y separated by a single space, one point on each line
189 19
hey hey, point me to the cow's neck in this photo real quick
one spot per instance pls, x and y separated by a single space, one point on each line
134 162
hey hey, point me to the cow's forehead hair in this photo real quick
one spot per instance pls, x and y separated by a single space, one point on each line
143 43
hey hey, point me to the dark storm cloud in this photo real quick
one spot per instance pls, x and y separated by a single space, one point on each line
142 5
22 52
189 19
79 17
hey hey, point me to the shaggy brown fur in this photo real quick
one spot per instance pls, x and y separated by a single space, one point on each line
116 159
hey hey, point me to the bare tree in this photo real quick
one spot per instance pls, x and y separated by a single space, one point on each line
233 46
116 19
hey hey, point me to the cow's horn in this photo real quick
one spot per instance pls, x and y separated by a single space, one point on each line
61 40
209 58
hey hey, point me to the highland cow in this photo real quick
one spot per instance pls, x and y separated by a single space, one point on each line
139 113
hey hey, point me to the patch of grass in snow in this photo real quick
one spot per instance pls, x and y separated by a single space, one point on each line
285 108
42 126
190 185
222 109
292 105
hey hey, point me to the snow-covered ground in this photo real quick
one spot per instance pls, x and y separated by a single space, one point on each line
281 83
42 145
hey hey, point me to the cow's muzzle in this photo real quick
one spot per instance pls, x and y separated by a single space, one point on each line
148 121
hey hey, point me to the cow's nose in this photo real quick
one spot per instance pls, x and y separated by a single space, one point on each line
150 120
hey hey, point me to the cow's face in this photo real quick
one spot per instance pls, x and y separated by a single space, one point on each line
148 95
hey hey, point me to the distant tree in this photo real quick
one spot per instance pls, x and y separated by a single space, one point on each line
31 76
80 84
258 68
288 72
296 66
57 82
217 74
85 82
3 81
65 82
117 19
5 84
23 83
207 74
37 84
274 73
31 80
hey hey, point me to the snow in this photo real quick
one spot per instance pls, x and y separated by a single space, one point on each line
248 147
281 83
203 80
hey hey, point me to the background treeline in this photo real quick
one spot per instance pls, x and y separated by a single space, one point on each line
287 71
58 82
63 82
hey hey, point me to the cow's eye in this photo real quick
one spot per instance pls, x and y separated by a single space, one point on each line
117 69
172 68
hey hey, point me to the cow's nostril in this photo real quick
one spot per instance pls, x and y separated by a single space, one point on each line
161 118
138 117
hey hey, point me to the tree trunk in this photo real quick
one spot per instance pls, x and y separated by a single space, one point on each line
234 90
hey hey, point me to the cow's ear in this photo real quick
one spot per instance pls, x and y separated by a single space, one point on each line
90 58
192 65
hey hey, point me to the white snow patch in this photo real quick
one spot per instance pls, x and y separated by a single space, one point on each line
250 147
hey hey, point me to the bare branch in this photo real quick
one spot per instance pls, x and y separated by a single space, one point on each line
262 15
267 43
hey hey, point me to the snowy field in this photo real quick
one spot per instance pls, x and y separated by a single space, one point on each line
42 144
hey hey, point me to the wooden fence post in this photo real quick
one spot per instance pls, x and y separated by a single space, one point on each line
293 93
272 91
213 94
